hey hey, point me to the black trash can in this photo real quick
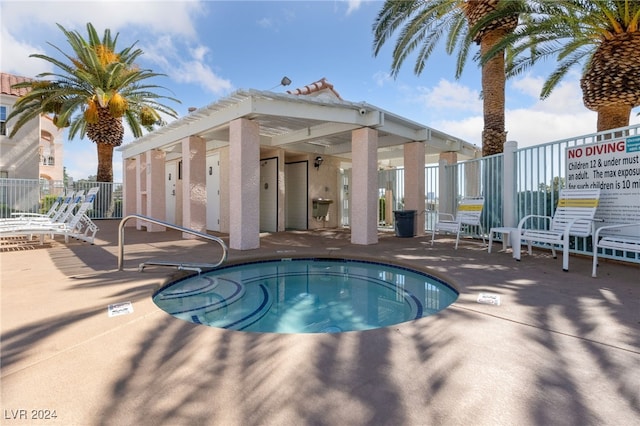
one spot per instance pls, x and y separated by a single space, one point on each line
405 223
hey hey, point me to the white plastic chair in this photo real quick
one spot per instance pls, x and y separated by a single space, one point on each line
614 238
574 217
469 212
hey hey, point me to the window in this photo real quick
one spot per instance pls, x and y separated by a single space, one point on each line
46 155
3 120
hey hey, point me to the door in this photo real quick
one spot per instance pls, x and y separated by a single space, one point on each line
296 186
269 195
213 192
170 192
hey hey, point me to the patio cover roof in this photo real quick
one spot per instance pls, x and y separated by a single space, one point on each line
305 124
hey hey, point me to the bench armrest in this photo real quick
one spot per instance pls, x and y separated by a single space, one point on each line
447 216
531 216
617 226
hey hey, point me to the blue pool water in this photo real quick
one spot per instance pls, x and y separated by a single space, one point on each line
305 296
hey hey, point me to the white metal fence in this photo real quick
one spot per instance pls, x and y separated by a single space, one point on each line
527 183
36 196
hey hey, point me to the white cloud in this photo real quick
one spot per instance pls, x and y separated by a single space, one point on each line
198 53
533 127
381 78
174 17
266 23
529 120
560 116
468 129
141 19
186 69
525 126
202 75
528 85
353 5
448 98
15 59
567 95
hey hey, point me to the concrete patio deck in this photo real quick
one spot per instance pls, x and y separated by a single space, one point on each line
562 349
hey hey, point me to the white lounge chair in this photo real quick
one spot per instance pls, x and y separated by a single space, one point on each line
49 214
77 225
469 212
62 213
19 217
67 209
574 217
615 241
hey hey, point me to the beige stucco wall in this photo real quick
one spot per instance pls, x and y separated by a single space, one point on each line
56 148
323 183
19 156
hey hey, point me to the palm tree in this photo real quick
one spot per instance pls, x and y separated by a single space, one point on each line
426 21
92 93
601 35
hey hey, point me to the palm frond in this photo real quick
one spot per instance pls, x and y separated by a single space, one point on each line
92 70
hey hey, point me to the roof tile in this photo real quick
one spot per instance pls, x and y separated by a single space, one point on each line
315 87
8 80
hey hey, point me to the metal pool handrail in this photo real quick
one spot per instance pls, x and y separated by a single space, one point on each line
168 225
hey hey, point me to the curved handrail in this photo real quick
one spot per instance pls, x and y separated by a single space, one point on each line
168 225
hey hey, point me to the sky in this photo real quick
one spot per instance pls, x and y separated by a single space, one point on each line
208 49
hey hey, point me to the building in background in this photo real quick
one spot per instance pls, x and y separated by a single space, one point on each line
36 151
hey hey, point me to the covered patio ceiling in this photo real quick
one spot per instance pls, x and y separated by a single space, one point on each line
302 124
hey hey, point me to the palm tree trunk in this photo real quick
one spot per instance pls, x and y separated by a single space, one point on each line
105 162
102 205
493 85
613 116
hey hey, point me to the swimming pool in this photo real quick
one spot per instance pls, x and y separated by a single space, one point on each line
305 296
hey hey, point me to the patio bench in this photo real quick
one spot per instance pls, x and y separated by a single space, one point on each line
626 243
469 213
574 217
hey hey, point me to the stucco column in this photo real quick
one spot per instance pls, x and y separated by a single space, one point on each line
129 189
364 197
155 188
414 182
244 181
194 186
509 193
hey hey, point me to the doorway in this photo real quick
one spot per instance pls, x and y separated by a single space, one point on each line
296 183
170 174
213 192
269 195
